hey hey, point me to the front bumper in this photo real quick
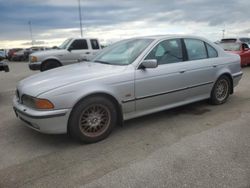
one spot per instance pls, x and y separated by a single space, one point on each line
51 122
236 78
35 66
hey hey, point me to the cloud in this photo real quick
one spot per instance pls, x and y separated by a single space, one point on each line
54 20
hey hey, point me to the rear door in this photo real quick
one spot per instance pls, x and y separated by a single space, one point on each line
95 47
201 66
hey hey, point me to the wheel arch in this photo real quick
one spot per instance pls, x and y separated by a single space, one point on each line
227 74
51 59
105 95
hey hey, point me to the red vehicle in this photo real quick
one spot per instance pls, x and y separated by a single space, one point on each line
238 48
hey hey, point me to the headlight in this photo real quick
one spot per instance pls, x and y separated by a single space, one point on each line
33 59
36 103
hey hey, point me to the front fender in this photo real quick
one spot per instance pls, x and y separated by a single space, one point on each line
54 58
69 96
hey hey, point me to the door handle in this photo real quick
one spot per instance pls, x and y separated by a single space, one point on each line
214 66
87 53
182 71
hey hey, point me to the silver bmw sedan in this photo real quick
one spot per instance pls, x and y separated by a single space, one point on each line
128 79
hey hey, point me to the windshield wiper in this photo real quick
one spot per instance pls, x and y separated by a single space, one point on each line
103 62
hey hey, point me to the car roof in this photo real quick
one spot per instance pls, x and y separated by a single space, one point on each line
159 37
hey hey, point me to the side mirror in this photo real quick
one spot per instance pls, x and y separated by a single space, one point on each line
70 49
149 64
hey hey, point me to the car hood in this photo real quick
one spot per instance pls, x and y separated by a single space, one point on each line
49 52
62 76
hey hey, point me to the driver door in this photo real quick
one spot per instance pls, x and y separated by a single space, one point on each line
77 50
165 84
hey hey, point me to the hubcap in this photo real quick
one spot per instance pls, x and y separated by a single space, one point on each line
94 120
221 90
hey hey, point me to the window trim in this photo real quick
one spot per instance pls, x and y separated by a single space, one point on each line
79 40
181 45
92 44
205 44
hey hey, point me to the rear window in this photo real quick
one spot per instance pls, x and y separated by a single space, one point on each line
94 44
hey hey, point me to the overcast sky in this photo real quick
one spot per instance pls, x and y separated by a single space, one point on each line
111 20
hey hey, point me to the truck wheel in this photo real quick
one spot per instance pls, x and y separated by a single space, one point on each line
51 64
221 90
92 119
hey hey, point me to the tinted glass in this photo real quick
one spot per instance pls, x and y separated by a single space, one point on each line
211 51
94 44
246 40
244 46
168 51
79 45
195 49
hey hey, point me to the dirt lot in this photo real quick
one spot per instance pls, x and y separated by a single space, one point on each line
193 146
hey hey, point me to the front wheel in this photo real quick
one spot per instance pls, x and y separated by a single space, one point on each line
221 90
92 119
50 64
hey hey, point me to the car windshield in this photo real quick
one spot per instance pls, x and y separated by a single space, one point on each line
246 40
65 44
123 52
231 46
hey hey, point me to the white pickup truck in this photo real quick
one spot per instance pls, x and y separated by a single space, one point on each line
70 51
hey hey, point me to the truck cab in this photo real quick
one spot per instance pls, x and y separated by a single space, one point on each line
70 51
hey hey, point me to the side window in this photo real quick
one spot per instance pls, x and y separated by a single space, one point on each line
195 49
244 46
94 44
168 51
211 51
79 45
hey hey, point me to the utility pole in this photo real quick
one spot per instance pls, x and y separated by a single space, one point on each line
223 33
80 15
31 35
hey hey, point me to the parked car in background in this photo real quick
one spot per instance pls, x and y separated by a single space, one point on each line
241 39
128 79
69 52
2 55
19 55
242 49
23 55
12 51
4 66
33 50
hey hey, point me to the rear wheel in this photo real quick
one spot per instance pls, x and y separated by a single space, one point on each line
51 64
92 119
221 90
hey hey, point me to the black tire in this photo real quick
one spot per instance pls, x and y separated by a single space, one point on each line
221 90
50 64
92 119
